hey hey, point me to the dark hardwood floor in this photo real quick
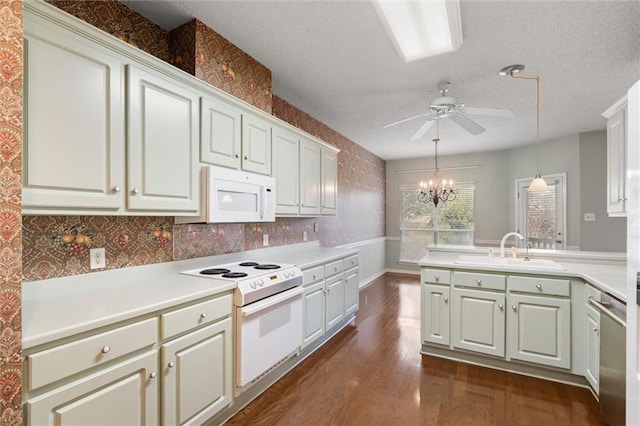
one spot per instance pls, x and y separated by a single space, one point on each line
373 374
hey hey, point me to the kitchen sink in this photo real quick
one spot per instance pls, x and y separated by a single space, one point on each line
519 262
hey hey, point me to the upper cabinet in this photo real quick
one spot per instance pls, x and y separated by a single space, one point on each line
306 174
77 159
74 122
616 158
233 138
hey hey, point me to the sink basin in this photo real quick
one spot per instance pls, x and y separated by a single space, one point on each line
508 261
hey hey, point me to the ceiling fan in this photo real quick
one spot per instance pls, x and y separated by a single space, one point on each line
449 107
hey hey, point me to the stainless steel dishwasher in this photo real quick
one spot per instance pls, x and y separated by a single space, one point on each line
613 356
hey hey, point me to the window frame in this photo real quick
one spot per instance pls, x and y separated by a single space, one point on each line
561 218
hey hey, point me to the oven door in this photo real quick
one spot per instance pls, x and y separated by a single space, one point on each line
268 332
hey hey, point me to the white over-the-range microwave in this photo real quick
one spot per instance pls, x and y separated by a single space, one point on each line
229 196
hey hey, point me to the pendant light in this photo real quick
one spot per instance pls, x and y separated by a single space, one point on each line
538 182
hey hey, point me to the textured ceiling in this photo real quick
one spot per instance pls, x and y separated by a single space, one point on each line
333 60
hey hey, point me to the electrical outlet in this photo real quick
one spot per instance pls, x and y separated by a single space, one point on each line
96 258
265 240
589 217
304 235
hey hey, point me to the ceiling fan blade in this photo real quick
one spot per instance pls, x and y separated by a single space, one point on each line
422 130
466 123
406 119
492 112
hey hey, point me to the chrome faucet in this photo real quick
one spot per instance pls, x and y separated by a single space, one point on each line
504 239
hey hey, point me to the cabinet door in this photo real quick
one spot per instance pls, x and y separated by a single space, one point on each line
285 171
74 124
539 330
256 145
334 301
197 374
221 137
313 313
616 164
123 394
478 321
592 324
435 314
329 177
163 144
309 177
351 292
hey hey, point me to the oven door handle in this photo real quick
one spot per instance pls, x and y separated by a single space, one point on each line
271 301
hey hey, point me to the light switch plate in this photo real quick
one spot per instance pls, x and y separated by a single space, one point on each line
265 240
304 235
589 217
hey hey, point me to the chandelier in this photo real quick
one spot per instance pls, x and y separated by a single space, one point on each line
436 190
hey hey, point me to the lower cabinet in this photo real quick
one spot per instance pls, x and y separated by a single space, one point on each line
122 394
539 330
331 294
478 321
435 314
196 380
113 377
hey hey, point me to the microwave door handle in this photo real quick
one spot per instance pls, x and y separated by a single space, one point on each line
263 192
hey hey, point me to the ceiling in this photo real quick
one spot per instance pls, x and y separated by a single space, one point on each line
334 60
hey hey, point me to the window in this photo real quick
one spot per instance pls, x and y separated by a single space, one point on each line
540 215
421 224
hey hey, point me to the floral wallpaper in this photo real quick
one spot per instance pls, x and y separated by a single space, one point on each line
57 246
118 20
11 15
200 51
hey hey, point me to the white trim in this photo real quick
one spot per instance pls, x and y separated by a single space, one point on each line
474 166
617 106
371 279
403 271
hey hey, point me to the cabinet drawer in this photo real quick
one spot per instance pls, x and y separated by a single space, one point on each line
312 275
535 285
351 262
591 292
333 268
57 363
436 276
184 319
478 280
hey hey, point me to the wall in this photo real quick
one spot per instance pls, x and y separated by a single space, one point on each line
57 246
582 157
10 212
606 233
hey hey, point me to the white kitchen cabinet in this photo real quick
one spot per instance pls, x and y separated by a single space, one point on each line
285 171
74 123
478 321
351 291
309 178
334 302
616 158
435 314
329 181
256 145
197 374
77 160
539 330
221 133
164 131
313 313
122 394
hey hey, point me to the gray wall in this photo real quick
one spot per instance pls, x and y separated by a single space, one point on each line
582 157
606 233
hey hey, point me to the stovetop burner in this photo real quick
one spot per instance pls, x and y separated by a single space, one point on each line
234 275
248 264
215 271
267 266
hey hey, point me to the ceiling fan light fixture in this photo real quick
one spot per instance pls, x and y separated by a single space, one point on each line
419 29
511 70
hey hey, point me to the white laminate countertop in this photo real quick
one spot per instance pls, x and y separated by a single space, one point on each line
61 307
608 277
